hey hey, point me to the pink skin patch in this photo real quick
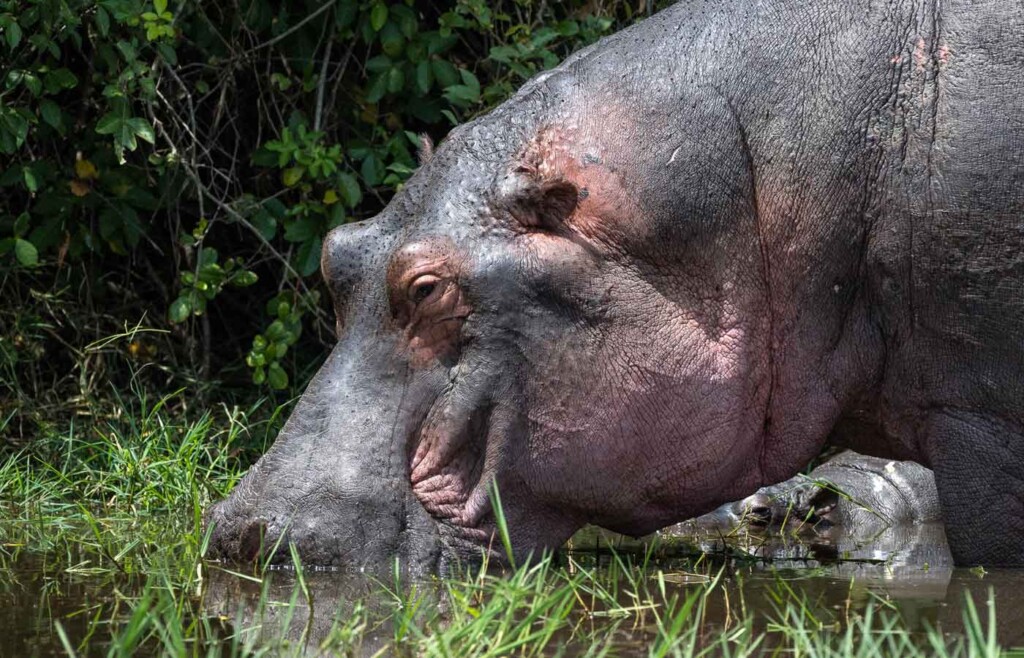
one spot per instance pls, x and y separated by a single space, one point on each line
622 430
920 55
426 301
430 308
604 209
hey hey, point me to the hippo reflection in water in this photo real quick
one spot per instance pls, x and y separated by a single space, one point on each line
666 273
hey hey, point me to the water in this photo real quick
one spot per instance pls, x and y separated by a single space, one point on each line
905 569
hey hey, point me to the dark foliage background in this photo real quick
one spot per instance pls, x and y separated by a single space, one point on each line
168 170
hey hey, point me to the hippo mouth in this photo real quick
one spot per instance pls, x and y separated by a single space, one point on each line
451 476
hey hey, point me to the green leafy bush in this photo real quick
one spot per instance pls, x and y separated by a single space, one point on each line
182 161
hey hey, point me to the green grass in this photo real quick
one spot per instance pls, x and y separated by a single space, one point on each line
106 515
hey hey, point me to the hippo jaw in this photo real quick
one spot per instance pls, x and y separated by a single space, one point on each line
427 503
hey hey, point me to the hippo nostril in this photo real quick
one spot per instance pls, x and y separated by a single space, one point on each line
824 502
252 541
756 510
760 515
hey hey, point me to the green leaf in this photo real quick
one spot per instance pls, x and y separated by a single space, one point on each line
568 28
208 256
291 176
276 209
244 278
378 64
275 330
265 224
142 128
171 57
445 74
21 225
160 6
131 227
26 252
59 79
13 35
102 21
378 87
259 375
47 234
470 80
277 377
462 95
31 182
50 112
378 16
396 80
13 129
391 40
301 229
127 51
116 124
345 13
451 117
504 54
110 222
406 19
109 123
180 309
33 83
307 257
371 170
424 76
349 188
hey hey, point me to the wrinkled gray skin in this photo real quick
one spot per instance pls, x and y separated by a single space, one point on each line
860 493
662 276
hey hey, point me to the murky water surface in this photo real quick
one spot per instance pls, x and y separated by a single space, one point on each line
906 569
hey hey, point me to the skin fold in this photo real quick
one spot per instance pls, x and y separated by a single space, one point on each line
667 273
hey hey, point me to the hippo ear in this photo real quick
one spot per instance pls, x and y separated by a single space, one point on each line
425 150
544 205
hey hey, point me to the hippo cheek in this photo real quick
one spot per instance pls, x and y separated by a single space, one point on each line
468 446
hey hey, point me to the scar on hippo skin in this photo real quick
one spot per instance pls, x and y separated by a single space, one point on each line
427 301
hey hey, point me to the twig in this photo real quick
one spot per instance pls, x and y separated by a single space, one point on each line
321 83
339 74
292 29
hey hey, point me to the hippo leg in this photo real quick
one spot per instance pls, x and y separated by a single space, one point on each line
979 468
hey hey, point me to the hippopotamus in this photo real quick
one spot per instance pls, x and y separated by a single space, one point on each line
859 493
666 273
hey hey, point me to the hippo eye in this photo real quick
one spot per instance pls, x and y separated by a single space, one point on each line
422 287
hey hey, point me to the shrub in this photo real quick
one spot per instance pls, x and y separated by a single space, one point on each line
176 165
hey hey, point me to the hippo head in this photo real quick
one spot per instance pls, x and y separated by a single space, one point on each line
541 311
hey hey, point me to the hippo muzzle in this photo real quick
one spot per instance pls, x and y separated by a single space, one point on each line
335 482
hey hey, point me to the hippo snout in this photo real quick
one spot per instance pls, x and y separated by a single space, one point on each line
239 536
789 503
243 534
757 510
